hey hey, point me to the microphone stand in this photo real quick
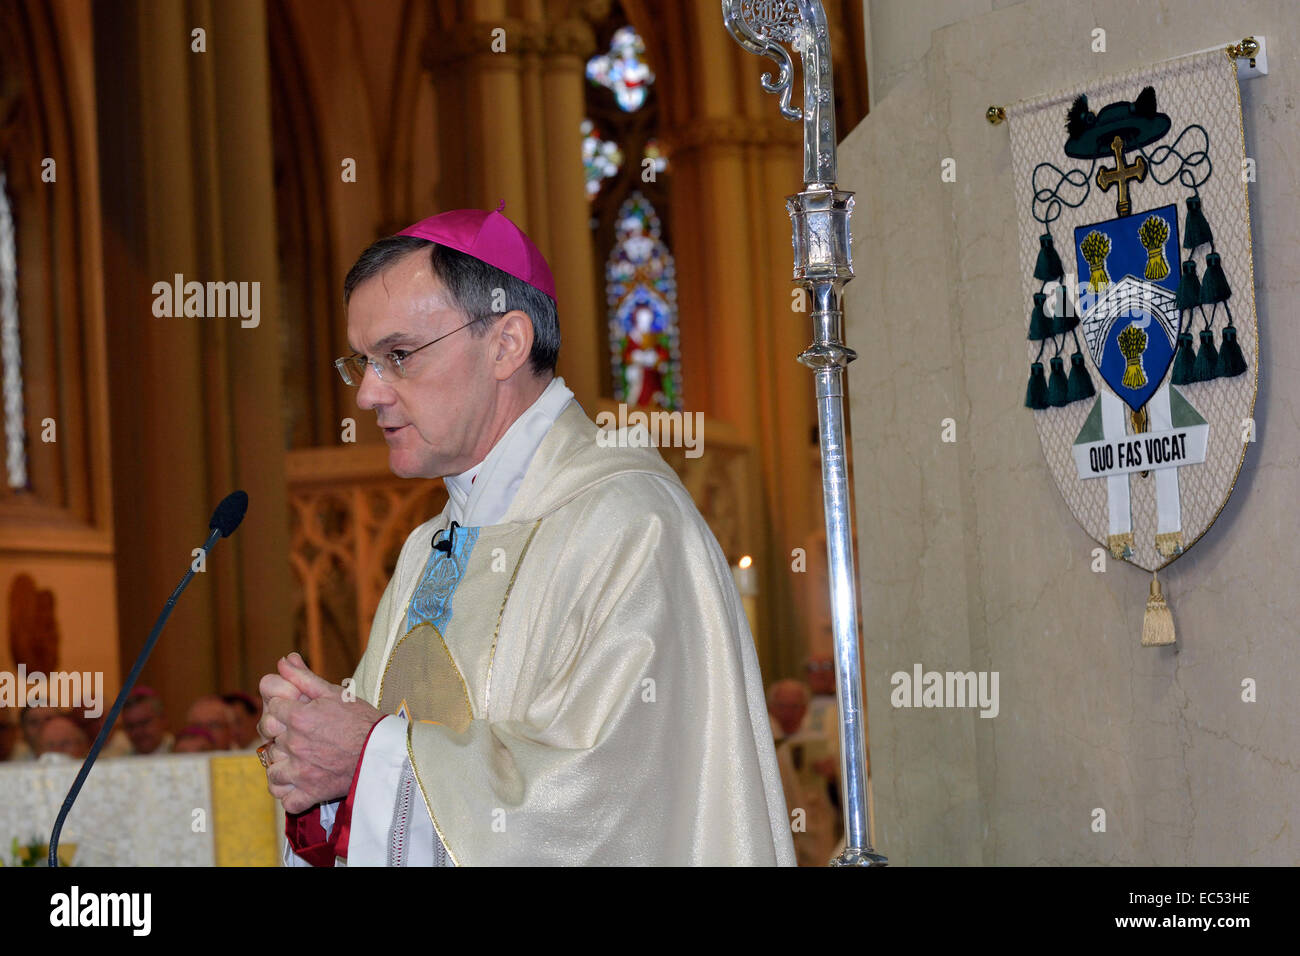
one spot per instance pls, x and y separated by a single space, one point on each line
224 521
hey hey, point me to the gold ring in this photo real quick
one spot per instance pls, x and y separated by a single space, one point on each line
263 754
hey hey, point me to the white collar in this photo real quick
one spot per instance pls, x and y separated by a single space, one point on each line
482 495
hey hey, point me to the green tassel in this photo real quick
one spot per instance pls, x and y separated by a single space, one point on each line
1080 385
1214 288
1057 387
1040 326
1206 359
1196 228
1189 287
1184 361
1036 394
1049 266
1065 318
1231 362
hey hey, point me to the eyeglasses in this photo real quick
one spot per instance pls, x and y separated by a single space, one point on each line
388 367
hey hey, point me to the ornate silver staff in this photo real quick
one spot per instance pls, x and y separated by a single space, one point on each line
823 264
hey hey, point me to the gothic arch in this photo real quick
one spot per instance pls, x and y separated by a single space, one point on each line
304 236
56 214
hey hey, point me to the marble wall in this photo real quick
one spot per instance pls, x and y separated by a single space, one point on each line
970 558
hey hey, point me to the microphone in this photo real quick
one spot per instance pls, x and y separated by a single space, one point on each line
229 513
225 519
447 543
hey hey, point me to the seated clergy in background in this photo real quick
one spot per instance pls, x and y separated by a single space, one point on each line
31 720
11 742
62 737
559 671
195 739
145 724
786 702
118 743
244 713
822 720
212 714
806 760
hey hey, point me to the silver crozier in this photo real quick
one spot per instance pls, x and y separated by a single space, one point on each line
823 263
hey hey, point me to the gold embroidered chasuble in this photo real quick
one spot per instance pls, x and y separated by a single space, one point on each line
580 679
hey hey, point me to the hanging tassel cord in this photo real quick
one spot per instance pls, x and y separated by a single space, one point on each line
1158 622
1036 390
1185 357
1042 290
1196 228
1232 361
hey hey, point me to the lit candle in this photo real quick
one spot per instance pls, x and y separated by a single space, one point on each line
746 576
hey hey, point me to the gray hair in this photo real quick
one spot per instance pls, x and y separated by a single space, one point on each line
471 284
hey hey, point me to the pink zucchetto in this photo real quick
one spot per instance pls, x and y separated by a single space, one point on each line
489 237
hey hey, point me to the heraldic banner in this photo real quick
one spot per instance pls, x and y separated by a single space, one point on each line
1135 258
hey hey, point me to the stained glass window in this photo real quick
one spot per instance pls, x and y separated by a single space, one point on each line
623 70
641 286
627 174
11 346
601 158
654 153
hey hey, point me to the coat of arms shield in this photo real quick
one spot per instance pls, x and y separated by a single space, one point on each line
1152 304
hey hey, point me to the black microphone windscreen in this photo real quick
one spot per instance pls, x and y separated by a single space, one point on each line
229 513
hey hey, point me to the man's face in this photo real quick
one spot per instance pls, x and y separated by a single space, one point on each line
61 735
243 725
32 720
788 708
821 675
144 726
211 714
434 419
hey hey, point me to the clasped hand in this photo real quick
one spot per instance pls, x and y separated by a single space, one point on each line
317 733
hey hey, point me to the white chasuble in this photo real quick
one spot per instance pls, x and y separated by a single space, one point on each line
577 682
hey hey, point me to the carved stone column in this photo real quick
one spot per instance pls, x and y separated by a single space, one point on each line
196 401
569 250
733 160
477 73
512 103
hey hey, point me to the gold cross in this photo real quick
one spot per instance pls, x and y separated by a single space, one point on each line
1120 175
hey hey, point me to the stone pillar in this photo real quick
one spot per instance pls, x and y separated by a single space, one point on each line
734 160
196 401
538 162
569 250
523 107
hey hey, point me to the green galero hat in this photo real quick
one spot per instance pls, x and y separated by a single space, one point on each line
1138 123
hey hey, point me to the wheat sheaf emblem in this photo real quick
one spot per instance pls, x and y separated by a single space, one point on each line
1133 342
1153 233
1095 248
